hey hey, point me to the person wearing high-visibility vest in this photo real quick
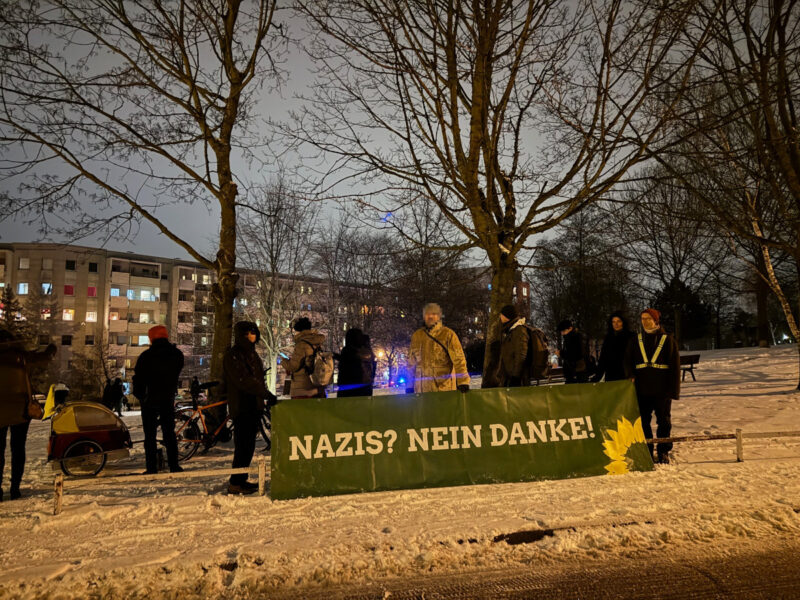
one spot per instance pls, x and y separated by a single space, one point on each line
652 362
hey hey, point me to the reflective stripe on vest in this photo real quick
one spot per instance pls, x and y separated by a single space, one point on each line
652 362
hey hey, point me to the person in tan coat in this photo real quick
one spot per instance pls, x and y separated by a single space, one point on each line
298 367
436 361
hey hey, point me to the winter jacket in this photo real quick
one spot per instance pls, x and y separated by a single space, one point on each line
15 379
356 368
662 381
612 353
157 371
436 367
244 374
299 365
513 368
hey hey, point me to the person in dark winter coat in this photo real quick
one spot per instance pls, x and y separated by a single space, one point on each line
513 368
247 397
612 353
306 341
113 394
573 356
653 363
356 365
15 386
155 384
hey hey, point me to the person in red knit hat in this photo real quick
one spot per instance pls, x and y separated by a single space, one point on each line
652 362
155 383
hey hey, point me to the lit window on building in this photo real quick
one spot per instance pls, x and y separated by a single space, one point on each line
203 341
91 316
204 319
47 288
68 314
22 289
46 314
115 292
91 291
144 340
131 295
144 317
69 290
24 263
206 279
113 316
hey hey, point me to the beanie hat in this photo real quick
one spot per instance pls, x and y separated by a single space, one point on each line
302 324
565 324
653 313
156 333
509 311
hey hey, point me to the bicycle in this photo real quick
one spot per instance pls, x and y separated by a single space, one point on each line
192 426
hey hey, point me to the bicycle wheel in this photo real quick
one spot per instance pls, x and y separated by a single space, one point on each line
188 435
84 458
265 428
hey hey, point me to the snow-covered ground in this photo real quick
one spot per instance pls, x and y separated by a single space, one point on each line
188 539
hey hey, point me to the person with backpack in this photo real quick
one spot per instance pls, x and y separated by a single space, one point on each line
308 366
155 384
248 395
514 363
573 354
653 363
436 361
611 363
356 365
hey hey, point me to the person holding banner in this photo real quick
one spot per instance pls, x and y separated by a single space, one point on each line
653 363
436 361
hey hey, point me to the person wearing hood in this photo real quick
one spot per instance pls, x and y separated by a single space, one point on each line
247 394
15 381
436 361
573 354
356 365
307 341
611 363
653 363
155 384
513 368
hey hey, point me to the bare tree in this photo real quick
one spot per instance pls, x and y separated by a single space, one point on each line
739 149
508 115
111 110
275 241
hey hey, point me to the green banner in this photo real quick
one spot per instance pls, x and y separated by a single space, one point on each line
345 445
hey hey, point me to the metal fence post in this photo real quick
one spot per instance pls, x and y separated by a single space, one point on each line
58 488
739 446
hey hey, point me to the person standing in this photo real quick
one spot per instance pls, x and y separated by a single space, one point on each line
155 384
573 355
15 383
247 393
611 363
653 363
307 344
513 368
356 365
436 361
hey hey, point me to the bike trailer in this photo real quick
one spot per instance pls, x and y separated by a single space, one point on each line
84 434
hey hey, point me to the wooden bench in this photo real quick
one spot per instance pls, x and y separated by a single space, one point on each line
688 361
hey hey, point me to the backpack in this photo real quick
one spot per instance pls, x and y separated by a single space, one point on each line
320 369
538 358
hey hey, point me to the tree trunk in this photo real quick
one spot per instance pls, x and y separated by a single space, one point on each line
762 296
501 294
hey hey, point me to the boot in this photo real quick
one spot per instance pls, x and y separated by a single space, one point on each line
15 494
663 458
241 489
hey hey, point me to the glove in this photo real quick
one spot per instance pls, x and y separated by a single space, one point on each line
463 388
409 390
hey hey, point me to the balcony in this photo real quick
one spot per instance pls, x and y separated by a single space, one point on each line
117 350
143 280
187 350
186 284
135 351
186 306
143 304
185 327
119 302
119 277
136 328
118 326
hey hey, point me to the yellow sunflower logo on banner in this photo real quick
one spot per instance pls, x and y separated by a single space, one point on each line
622 443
